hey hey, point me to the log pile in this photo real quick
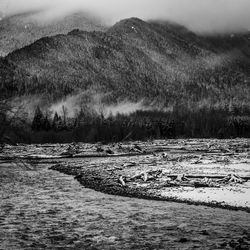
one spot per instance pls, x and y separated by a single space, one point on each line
183 180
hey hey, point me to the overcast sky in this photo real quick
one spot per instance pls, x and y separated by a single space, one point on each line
199 15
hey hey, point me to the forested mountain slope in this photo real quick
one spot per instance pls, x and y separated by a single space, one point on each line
21 30
157 62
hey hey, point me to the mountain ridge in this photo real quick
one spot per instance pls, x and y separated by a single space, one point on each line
21 30
133 60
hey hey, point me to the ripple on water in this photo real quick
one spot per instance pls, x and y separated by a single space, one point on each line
45 209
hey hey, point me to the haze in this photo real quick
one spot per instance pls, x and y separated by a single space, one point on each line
198 15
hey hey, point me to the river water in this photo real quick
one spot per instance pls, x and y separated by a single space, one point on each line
43 209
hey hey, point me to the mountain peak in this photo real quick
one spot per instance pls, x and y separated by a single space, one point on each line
133 60
21 30
129 25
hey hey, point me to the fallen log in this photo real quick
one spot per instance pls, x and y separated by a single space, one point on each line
182 180
145 176
134 177
232 178
122 181
247 178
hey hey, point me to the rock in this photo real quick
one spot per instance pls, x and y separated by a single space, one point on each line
165 155
204 232
99 150
183 240
109 151
223 244
182 226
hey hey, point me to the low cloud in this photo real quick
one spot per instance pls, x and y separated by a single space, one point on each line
198 15
94 104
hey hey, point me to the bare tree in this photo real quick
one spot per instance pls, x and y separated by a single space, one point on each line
9 116
5 122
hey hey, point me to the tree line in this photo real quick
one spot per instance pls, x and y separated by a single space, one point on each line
180 122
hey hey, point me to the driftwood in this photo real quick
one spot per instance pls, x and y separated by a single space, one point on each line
65 155
130 164
137 149
71 150
232 178
181 177
246 178
145 176
23 164
110 152
185 180
122 181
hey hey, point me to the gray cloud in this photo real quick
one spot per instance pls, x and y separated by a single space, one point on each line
198 15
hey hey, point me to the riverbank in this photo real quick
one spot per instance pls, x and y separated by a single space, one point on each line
44 209
214 173
232 197
206 162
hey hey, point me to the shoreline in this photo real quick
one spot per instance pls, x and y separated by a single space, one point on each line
102 181
214 173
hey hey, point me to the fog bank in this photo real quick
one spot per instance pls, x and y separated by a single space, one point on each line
198 15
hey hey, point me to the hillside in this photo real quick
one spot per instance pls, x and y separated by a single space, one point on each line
20 30
160 63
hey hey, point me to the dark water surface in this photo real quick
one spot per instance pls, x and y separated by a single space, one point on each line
43 209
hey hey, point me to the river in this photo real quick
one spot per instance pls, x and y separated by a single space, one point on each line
43 209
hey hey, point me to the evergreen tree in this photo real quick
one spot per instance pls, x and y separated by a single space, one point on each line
58 124
46 124
55 121
38 120
80 118
64 112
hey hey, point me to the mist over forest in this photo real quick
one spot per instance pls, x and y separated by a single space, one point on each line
170 67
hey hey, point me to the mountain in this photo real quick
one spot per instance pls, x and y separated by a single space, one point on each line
20 30
158 62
